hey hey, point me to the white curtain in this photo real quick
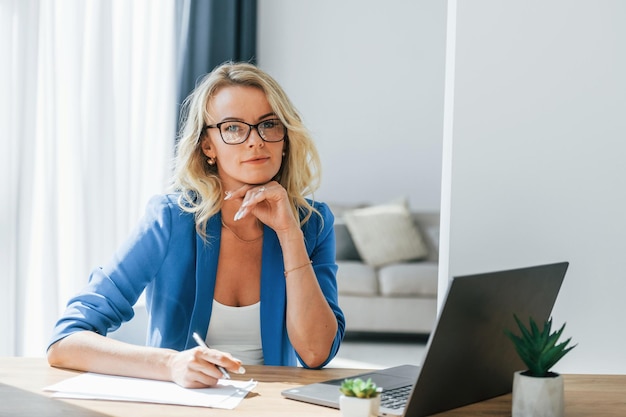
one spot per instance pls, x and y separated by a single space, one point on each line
87 124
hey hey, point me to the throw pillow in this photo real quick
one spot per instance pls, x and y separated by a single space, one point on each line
385 234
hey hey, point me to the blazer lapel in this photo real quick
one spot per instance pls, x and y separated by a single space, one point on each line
207 255
273 299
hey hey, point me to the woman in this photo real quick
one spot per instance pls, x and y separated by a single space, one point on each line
237 254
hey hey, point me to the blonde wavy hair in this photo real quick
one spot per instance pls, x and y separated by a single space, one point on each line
199 183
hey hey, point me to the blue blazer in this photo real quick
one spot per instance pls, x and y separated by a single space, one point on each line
177 268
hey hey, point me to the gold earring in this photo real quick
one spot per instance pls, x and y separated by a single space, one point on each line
210 161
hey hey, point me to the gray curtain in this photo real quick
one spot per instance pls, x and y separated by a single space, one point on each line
211 32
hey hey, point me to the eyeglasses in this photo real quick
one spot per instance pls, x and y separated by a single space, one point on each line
235 132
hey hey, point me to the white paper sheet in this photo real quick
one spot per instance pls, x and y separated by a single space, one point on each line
227 394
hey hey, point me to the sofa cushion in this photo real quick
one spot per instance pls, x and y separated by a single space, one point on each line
409 279
385 234
356 278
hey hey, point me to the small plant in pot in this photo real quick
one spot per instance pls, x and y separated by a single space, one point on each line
359 398
537 391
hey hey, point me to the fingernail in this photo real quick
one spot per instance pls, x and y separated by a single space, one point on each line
241 370
240 214
228 195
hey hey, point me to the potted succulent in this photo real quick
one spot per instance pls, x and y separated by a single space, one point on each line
359 398
537 391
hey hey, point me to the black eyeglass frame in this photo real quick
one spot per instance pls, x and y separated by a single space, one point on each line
255 127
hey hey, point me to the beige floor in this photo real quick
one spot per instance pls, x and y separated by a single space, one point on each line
379 352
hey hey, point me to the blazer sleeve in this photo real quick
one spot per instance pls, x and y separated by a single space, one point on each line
108 298
320 240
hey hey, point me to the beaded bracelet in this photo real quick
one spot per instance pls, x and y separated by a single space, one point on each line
298 267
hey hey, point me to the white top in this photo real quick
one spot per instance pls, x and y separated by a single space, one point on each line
237 330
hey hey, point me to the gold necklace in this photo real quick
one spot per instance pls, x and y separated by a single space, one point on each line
237 236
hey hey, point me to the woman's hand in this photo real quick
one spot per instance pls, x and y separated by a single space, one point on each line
269 203
197 367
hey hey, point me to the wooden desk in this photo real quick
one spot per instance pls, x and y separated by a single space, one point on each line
22 381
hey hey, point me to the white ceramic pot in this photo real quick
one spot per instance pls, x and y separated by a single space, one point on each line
537 397
359 407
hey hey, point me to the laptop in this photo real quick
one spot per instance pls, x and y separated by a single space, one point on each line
468 356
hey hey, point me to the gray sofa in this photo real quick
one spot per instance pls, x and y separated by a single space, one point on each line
398 297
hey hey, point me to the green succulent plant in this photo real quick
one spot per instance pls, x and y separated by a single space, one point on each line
358 388
538 349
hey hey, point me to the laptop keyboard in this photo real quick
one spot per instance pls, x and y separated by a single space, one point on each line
395 398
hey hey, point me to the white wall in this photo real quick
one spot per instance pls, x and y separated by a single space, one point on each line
536 158
368 78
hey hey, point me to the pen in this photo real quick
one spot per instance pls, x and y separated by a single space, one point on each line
201 343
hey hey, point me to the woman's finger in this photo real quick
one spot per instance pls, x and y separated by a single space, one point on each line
224 359
241 192
253 197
